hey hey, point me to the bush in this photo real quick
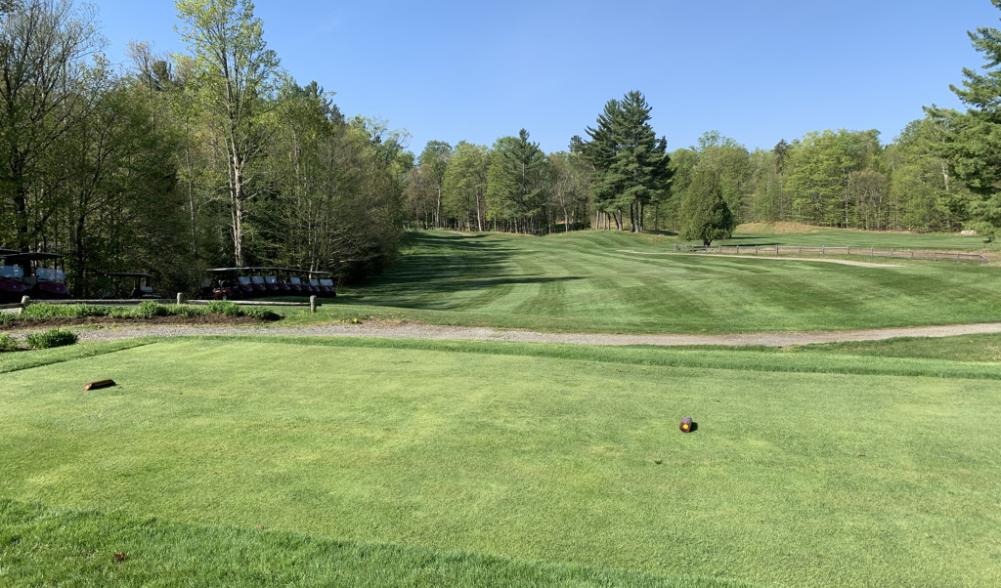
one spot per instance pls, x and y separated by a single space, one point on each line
225 308
42 311
49 339
8 343
149 309
262 314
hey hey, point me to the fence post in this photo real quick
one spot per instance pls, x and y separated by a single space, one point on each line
25 301
312 303
823 250
180 297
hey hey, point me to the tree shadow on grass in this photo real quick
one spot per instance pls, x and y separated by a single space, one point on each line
439 265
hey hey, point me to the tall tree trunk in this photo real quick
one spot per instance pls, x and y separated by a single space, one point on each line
237 197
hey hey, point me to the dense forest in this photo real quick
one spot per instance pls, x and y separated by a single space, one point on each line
216 156
212 157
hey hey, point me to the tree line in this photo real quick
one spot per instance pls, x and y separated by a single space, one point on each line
622 177
214 156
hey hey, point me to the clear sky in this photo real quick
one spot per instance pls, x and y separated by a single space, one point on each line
756 70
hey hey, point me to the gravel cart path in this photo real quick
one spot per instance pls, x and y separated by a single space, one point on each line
420 331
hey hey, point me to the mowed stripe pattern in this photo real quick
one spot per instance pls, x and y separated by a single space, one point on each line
585 281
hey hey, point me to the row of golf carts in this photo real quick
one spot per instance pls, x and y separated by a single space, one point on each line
42 276
234 283
39 275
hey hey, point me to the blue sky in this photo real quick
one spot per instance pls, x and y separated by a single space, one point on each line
756 70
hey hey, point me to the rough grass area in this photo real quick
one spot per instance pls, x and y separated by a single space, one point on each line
585 282
977 348
279 455
60 314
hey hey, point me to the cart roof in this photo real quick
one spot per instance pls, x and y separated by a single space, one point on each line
264 268
30 256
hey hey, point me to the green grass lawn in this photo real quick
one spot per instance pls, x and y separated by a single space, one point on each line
374 462
765 234
589 281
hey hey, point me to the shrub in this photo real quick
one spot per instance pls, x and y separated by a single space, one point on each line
149 310
7 343
52 338
42 311
262 314
225 308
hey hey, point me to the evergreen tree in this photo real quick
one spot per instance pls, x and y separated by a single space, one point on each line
517 182
632 166
974 138
705 213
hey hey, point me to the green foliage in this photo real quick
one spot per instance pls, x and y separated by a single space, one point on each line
705 213
973 138
631 165
7 343
224 307
261 314
43 311
149 310
517 182
465 186
819 167
51 338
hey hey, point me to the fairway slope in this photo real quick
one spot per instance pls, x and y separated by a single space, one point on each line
614 282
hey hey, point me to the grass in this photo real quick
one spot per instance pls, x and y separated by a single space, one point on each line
591 282
792 234
79 547
421 463
41 313
977 348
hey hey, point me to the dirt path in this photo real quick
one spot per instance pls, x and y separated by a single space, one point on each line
420 331
780 258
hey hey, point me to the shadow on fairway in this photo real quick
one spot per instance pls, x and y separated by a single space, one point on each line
438 265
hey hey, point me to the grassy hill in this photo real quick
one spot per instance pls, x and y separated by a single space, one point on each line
606 281
252 462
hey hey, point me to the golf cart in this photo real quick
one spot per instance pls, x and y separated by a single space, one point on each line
325 284
133 285
227 283
12 286
41 275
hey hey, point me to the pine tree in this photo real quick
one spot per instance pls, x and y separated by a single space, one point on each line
632 166
516 182
705 214
974 137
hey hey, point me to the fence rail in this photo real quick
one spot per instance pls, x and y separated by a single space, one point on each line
897 253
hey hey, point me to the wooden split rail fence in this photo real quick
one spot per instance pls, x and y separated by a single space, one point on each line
897 253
